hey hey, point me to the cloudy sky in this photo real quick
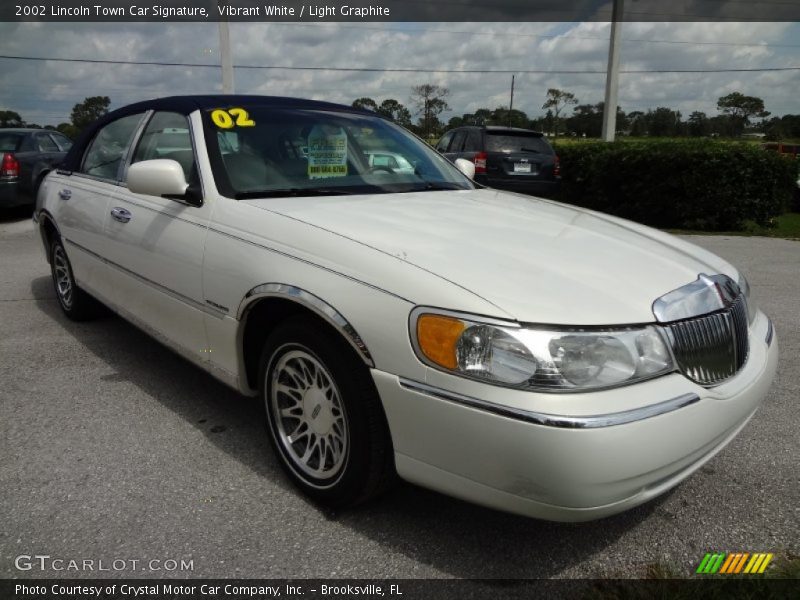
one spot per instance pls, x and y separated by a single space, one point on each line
45 91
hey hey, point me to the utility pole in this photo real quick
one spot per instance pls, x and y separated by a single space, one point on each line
226 60
612 75
511 104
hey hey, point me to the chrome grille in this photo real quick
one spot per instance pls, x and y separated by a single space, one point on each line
711 348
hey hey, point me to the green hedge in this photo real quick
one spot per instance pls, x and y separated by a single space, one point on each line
714 186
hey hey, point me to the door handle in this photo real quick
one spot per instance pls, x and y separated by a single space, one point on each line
121 215
65 194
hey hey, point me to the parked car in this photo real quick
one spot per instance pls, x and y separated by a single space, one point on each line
391 162
506 158
515 352
26 156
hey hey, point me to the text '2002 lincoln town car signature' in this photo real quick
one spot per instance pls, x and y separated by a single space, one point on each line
508 350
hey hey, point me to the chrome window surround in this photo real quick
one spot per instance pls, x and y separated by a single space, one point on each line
550 420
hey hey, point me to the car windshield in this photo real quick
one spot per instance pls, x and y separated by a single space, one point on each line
268 152
9 142
516 142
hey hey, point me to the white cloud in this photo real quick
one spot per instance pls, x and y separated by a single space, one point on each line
45 92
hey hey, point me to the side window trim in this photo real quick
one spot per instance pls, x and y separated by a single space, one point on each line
137 139
59 139
463 136
122 175
55 141
116 180
40 137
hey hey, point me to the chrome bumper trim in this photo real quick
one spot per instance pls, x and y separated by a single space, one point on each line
770 332
567 422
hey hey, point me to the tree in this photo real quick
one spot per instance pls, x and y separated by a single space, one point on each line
698 124
68 130
89 110
429 100
663 122
481 117
510 118
587 120
394 110
9 118
740 108
636 123
558 100
366 104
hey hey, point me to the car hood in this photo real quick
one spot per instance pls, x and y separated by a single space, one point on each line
535 260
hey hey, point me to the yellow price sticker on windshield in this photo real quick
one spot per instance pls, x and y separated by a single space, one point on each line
227 119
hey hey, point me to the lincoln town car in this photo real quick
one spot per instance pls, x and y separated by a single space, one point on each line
508 350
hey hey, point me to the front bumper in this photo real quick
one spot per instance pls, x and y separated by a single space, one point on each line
559 471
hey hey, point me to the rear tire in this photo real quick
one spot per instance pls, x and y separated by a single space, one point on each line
75 303
325 419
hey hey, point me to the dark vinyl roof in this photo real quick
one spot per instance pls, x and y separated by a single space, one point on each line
188 104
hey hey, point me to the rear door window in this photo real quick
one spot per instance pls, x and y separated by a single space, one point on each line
473 143
109 148
64 143
45 143
444 142
458 141
507 142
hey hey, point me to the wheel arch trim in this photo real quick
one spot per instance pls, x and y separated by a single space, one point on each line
42 217
314 303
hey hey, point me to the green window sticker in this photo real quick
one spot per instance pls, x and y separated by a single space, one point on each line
327 152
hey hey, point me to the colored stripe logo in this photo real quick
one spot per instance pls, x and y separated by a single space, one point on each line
734 563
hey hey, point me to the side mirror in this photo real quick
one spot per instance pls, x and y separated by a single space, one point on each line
157 177
467 167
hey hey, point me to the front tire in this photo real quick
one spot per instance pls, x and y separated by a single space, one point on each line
325 420
75 303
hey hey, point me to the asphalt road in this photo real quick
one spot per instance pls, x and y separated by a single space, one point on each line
112 447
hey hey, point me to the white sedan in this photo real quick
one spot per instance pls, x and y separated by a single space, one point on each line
511 351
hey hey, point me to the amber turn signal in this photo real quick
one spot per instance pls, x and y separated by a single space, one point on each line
437 337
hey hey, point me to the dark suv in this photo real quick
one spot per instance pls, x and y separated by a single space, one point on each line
507 158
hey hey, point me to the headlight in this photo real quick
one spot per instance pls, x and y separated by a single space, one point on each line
538 358
752 308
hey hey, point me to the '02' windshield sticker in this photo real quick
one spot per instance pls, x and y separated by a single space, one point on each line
327 152
232 117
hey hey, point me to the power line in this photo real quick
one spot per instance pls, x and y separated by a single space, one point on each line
394 70
547 36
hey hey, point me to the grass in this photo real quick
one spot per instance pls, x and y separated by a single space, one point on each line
786 226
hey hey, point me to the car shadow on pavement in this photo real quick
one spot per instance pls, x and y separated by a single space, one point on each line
16 213
453 537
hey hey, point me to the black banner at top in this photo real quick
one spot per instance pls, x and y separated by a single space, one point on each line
396 10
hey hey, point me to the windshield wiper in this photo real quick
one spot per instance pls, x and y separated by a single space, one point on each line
530 150
433 187
290 192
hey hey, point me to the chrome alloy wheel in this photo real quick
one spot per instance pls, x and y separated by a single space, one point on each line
62 277
309 416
